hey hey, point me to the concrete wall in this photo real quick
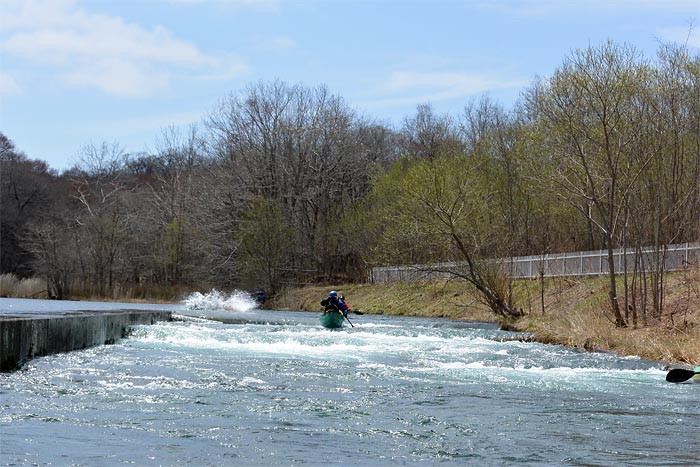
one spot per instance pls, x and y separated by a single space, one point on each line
23 338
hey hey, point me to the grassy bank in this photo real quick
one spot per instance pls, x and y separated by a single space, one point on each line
575 312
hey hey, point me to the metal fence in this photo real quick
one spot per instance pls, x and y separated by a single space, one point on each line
583 263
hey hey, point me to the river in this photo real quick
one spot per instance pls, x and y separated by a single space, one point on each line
274 388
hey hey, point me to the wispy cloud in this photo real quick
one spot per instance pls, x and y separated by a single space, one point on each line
104 52
276 44
262 5
556 8
148 123
681 35
404 87
9 85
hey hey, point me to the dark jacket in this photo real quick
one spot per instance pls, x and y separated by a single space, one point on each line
335 303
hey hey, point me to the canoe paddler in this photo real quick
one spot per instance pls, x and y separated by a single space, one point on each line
333 302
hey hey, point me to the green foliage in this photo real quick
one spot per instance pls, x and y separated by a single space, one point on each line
175 251
442 209
614 131
603 153
423 203
265 244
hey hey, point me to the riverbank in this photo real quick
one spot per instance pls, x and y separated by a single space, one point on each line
571 312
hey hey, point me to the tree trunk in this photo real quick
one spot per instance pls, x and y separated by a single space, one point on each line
619 319
542 289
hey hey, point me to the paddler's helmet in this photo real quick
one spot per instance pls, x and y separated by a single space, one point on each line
333 293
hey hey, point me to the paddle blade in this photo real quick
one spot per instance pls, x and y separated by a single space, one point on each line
678 375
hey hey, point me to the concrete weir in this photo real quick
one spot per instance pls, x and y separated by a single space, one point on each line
25 336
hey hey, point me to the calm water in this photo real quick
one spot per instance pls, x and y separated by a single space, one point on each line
391 391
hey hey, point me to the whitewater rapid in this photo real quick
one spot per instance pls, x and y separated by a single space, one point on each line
263 387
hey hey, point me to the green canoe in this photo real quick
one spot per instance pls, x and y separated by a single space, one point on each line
332 319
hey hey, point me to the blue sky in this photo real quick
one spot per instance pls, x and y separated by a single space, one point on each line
78 72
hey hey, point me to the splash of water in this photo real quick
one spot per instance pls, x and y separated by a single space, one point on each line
237 300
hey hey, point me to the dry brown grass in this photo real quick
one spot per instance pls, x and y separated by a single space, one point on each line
576 312
11 286
437 299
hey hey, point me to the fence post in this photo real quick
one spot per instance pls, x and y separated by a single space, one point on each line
563 265
691 255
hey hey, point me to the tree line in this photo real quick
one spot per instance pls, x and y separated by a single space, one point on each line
287 184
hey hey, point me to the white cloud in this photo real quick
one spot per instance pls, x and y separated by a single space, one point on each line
24 14
117 77
104 52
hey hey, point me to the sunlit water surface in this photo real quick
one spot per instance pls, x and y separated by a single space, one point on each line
275 388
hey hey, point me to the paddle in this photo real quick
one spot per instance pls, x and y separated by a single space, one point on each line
678 375
346 317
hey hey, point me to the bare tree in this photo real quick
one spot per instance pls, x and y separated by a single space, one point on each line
671 141
172 207
303 148
97 185
427 135
26 191
592 116
53 243
264 245
444 207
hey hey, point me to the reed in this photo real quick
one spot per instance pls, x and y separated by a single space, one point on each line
13 287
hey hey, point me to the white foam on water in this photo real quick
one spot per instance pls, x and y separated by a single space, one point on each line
194 319
251 380
314 343
396 351
237 300
534 375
